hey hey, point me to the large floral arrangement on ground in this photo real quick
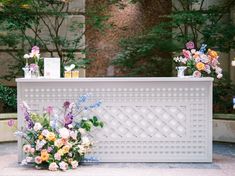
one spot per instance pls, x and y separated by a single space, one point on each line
58 139
200 63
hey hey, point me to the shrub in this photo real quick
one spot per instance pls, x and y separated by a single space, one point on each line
8 97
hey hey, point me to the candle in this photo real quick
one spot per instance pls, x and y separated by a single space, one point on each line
68 74
75 74
233 63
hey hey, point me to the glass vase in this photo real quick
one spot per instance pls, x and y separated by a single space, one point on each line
35 73
27 72
180 71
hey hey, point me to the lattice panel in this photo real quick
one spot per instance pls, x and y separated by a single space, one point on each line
144 122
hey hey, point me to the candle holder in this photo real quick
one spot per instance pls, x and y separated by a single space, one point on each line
68 74
75 74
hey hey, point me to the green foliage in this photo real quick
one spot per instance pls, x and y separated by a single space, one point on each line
223 93
147 53
87 124
8 97
49 25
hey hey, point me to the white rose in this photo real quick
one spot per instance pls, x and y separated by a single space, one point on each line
219 76
45 132
26 56
64 133
82 131
37 126
74 134
85 141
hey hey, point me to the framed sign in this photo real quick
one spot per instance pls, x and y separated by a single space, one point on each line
52 67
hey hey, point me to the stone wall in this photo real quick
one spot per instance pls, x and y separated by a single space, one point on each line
127 22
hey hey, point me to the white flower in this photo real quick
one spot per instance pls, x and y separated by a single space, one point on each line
219 76
40 144
57 156
37 126
45 132
29 159
85 141
64 133
82 131
73 135
218 70
81 150
193 51
63 165
26 56
23 162
74 164
70 126
53 167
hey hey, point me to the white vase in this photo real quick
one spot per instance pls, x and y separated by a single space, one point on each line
180 71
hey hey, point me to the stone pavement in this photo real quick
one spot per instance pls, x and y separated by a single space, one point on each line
223 165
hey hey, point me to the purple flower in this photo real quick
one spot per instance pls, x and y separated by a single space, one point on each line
30 124
190 45
33 67
68 119
11 123
49 149
66 104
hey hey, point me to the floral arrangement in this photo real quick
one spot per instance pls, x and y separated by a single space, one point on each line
58 139
200 63
33 68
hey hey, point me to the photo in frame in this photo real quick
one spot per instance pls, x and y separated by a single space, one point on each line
52 67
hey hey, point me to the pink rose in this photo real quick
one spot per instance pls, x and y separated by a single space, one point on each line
187 54
38 160
49 110
32 151
197 74
63 166
26 148
190 45
57 156
53 167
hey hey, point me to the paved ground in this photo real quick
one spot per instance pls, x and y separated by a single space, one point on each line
223 165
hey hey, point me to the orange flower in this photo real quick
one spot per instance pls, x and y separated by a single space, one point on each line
44 155
51 136
213 54
40 137
200 66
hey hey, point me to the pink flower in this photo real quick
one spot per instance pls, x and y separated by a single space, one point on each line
38 160
26 148
74 164
63 165
197 74
32 150
53 167
57 156
187 54
49 110
49 149
11 123
190 45
35 50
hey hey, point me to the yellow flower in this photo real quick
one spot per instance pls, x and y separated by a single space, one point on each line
200 66
51 136
212 53
40 137
66 149
61 152
44 155
25 6
58 143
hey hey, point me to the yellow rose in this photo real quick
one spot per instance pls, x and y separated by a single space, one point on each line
200 66
61 152
66 149
44 155
51 136
40 137
212 53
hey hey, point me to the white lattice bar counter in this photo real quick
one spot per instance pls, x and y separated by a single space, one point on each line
146 119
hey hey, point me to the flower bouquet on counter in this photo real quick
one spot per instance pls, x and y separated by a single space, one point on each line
199 63
58 139
32 70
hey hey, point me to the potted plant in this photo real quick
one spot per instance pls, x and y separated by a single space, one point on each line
8 111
